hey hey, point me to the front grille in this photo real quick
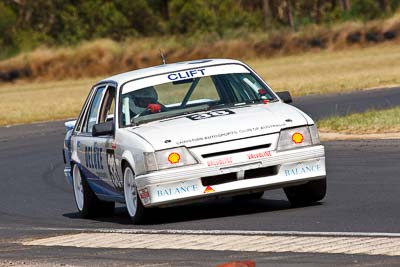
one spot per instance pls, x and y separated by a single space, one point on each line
231 177
221 153
261 172
219 179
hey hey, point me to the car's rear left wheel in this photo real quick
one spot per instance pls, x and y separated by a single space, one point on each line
86 201
133 203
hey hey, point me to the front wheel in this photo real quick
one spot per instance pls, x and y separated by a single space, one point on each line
133 203
305 194
85 199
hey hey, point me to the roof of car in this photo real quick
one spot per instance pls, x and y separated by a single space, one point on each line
165 68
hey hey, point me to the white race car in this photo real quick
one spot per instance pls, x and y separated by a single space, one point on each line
188 131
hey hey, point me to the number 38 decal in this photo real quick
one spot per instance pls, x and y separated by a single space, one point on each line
210 114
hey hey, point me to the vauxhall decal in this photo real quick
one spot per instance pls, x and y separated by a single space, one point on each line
219 162
258 155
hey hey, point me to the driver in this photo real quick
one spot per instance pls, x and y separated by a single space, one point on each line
144 99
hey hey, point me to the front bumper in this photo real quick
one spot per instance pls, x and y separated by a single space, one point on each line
274 170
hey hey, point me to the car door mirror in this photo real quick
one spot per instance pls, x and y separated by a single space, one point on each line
285 96
105 128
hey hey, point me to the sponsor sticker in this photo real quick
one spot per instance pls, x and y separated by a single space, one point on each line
231 134
184 188
186 74
144 195
93 157
297 138
303 169
219 162
258 155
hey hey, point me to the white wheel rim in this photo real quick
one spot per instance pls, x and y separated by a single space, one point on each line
130 192
78 187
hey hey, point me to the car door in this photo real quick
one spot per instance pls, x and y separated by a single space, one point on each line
88 149
96 153
106 143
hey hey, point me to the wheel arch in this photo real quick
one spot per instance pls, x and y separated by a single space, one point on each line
127 160
72 164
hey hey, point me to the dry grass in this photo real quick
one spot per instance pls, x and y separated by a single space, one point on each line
105 57
370 122
27 102
323 72
333 71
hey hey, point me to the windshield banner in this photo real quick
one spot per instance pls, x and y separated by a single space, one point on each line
183 75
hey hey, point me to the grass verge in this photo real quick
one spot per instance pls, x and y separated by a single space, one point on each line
318 72
370 122
332 71
33 102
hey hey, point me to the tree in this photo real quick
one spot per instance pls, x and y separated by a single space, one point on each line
345 4
266 12
7 22
288 13
384 5
191 17
318 11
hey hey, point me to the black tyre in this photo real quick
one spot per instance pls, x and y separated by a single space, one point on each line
305 194
134 205
86 201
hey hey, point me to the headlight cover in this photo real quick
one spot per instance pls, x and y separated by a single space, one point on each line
168 158
298 137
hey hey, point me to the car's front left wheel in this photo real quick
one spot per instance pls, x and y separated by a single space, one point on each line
85 199
133 203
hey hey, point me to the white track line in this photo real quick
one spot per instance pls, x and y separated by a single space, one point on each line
207 232
367 245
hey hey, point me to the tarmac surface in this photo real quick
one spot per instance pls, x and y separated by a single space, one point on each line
362 200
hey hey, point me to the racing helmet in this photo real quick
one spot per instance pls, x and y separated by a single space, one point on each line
140 99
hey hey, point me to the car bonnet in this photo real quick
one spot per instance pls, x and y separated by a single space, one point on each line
220 125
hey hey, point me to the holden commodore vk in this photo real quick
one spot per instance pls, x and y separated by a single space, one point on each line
183 132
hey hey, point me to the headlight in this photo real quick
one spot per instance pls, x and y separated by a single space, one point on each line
314 135
169 158
298 137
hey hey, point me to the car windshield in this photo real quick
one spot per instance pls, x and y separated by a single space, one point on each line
189 91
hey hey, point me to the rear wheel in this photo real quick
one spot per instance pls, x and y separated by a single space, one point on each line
133 203
305 194
85 199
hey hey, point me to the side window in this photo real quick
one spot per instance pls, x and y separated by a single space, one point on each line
80 121
107 106
94 110
244 87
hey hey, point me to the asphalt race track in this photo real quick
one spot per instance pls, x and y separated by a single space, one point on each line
363 201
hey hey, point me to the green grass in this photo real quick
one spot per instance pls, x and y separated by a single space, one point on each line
373 121
319 72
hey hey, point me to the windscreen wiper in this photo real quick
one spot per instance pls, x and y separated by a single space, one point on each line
168 114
